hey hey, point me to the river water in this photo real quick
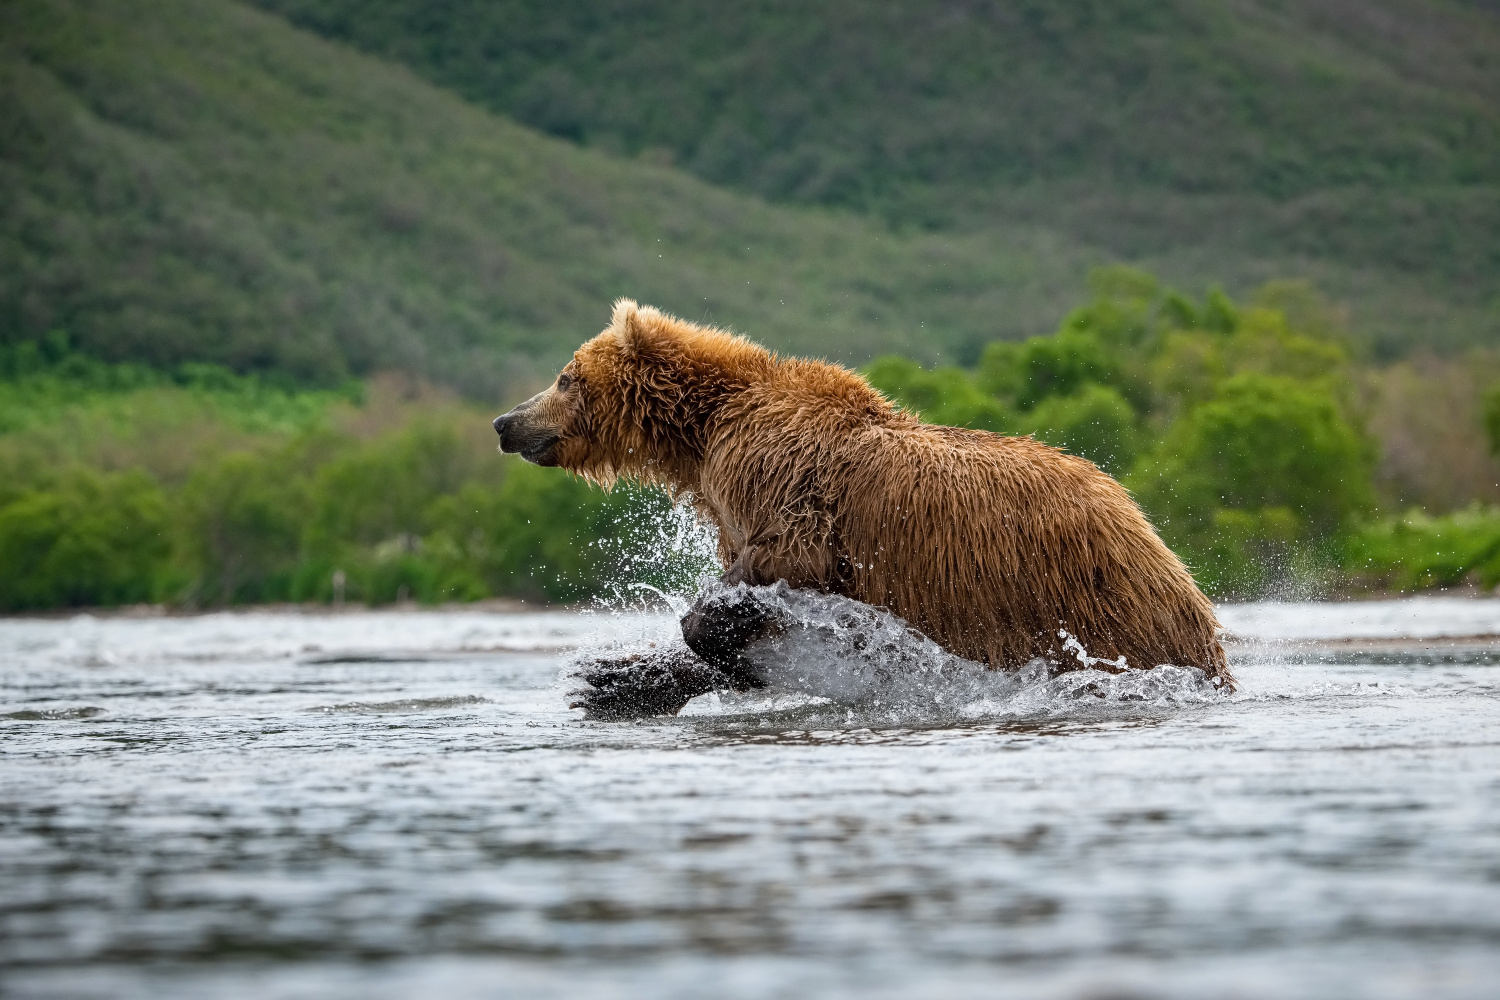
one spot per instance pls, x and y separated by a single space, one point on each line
400 805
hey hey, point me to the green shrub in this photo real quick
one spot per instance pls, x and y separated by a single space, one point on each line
1266 467
1095 422
940 396
1491 416
535 536
1415 551
379 492
1122 311
240 527
93 538
1026 373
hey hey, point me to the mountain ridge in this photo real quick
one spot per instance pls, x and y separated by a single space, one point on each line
202 181
1357 143
206 182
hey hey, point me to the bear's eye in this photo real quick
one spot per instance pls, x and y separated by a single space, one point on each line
564 381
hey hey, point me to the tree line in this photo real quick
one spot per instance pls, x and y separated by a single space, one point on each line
1237 426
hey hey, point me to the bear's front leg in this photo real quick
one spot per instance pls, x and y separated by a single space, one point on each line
724 620
644 684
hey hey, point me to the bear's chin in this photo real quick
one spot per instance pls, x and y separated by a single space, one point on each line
544 454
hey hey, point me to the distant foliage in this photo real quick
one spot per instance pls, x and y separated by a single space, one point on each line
1492 418
278 498
1245 481
201 181
92 538
844 102
325 216
1236 425
45 378
242 520
1415 551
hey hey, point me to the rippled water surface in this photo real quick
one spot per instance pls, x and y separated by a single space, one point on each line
399 804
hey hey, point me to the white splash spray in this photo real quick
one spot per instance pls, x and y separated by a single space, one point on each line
662 551
1073 646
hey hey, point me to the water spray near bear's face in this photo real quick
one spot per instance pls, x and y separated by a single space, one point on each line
991 546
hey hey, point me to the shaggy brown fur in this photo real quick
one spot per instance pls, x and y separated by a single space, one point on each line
990 545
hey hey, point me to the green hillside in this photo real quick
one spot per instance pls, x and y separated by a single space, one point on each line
1355 144
201 181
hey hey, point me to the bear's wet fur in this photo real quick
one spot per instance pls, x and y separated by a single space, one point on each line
993 546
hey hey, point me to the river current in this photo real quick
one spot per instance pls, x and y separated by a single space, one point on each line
400 804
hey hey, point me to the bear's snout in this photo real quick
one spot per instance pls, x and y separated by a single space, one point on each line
505 426
531 438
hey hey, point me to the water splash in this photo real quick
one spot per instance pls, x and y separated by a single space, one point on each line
849 664
870 661
659 549
1075 648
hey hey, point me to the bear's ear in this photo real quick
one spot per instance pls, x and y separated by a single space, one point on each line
622 309
633 326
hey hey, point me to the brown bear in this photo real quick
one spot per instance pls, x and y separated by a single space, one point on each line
995 547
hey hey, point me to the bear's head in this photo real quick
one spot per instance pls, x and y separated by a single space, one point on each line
636 401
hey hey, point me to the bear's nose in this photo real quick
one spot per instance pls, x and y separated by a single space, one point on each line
500 423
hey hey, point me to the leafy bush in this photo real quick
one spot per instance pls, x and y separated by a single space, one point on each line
1240 482
379 492
1492 418
1026 373
240 527
406 514
941 396
536 536
1095 422
92 538
1415 551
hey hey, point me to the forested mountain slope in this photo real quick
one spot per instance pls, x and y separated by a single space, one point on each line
199 180
1354 141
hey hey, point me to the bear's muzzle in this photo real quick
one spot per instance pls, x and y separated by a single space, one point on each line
521 434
